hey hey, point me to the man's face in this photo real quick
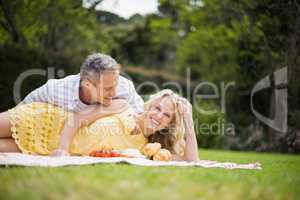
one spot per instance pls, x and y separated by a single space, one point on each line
105 89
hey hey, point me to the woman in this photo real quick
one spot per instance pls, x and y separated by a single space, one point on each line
40 128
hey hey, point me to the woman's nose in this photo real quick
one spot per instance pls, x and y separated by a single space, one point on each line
159 115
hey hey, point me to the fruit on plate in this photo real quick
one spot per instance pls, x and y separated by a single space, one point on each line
106 154
130 153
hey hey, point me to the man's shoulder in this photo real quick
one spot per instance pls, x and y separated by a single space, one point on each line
123 80
68 80
125 87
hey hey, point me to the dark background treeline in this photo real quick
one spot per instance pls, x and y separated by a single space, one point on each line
215 40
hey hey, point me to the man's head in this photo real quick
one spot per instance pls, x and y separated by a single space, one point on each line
99 76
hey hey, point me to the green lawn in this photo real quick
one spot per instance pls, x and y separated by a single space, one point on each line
279 179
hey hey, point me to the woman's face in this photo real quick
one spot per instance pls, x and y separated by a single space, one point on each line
159 116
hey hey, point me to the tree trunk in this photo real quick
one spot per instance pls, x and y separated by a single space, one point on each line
9 24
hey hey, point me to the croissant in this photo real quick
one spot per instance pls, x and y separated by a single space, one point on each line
151 148
162 155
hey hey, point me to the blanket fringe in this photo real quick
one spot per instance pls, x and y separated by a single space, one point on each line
19 159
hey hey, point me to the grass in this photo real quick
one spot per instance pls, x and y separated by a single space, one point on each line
279 179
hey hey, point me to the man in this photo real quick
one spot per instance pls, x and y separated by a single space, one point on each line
98 83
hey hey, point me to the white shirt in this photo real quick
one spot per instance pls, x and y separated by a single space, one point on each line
65 93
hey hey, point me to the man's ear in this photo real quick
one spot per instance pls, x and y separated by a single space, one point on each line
86 84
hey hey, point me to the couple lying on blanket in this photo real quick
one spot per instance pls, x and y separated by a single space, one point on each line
99 110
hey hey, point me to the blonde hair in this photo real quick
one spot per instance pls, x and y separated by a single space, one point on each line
172 137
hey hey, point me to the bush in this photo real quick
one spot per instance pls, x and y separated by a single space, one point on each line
211 129
16 60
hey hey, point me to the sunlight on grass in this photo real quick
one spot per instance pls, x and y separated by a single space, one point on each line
279 179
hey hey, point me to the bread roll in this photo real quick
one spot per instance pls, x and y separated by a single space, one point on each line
151 148
162 155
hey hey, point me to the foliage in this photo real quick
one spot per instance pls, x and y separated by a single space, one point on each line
210 125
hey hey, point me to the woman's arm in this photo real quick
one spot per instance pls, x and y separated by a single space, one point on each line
77 120
191 147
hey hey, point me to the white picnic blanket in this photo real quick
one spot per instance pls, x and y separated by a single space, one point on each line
19 159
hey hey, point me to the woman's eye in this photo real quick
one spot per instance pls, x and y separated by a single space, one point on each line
157 108
166 115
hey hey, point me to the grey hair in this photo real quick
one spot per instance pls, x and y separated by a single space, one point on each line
95 64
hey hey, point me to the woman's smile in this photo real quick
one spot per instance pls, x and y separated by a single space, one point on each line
154 122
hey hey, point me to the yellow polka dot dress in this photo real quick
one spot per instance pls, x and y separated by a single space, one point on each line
36 128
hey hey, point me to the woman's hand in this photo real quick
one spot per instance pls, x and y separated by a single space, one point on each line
185 109
59 152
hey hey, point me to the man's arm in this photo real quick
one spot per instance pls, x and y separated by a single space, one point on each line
86 117
55 92
38 95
